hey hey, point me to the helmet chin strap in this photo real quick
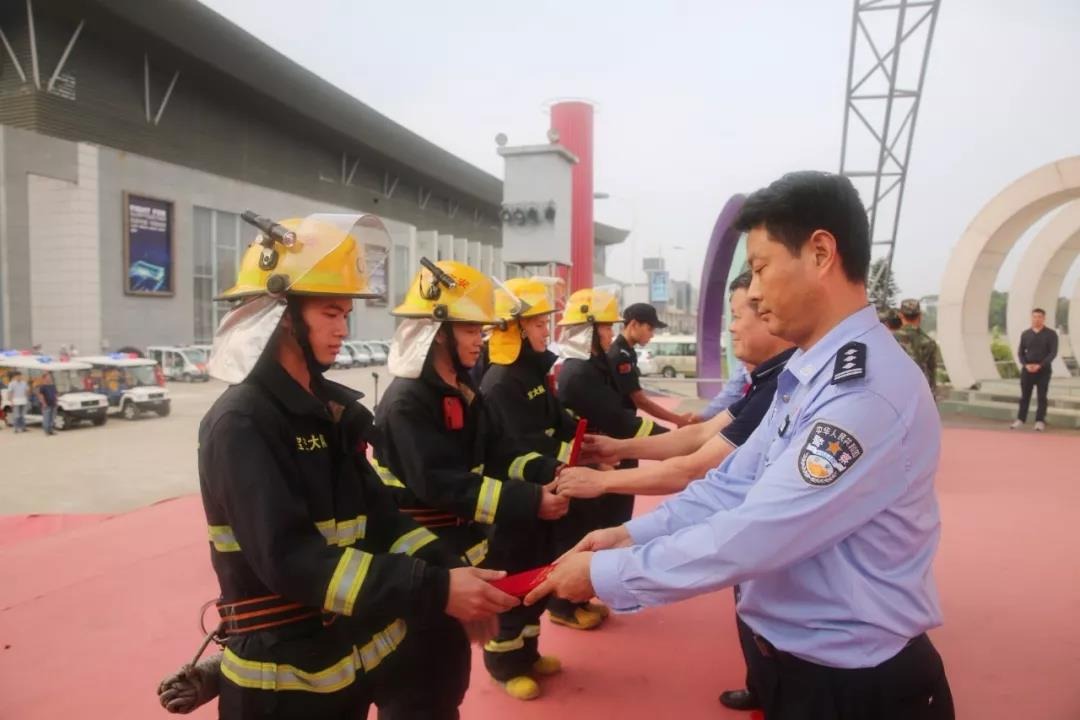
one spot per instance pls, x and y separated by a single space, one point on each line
460 370
301 332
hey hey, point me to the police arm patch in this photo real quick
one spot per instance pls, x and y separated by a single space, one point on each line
828 453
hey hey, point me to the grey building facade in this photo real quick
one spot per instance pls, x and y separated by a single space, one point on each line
167 100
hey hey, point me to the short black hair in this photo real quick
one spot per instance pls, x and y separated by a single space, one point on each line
742 282
1040 311
799 203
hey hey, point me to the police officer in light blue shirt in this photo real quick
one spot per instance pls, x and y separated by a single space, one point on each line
826 517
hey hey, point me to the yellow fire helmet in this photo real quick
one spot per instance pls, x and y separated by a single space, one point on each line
591 306
518 298
322 254
449 291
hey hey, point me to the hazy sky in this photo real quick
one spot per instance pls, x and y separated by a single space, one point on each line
699 100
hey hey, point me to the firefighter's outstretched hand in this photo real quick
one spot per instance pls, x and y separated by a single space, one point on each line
599 449
552 506
473 597
580 482
570 580
606 539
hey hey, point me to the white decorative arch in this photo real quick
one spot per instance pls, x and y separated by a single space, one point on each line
964 302
1041 273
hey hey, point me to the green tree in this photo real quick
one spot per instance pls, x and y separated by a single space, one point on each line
883 290
999 303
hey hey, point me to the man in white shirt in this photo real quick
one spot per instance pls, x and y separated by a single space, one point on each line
20 399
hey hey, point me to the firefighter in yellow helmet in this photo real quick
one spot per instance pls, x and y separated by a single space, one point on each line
451 468
587 388
519 400
321 577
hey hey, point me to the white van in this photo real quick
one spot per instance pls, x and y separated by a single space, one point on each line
180 363
130 383
674 355
74 402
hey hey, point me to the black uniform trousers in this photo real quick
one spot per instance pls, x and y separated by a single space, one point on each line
1040 382
911 685
426 678
517 549
237 703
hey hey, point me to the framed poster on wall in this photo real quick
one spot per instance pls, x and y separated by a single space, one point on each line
148 246
377 259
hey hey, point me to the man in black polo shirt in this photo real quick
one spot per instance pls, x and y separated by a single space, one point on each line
1038 348
639 324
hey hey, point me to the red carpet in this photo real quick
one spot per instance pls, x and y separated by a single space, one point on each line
91 616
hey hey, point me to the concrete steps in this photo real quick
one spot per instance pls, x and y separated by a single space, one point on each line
998 399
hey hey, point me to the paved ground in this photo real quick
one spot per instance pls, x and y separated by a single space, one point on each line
92 615
126 465
121 465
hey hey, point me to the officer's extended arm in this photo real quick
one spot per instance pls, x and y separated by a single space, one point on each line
270 525
784 519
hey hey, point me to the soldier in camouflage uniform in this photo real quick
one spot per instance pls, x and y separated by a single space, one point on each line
916 343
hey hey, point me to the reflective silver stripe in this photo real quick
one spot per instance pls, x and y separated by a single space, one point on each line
645 428
345 532
222 537
275 676
382 644
488 500
413 540
345 584
388 478
502 646
564 452
517 468
476 554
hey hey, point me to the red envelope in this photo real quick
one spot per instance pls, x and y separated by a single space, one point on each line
579 437
521 583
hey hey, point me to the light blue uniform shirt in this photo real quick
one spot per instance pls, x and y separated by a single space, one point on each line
826 516
733 390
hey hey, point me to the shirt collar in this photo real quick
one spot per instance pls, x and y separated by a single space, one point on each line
771 366
804 366
272 376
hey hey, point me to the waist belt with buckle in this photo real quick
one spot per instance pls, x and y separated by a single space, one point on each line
262 613
434 518
770 651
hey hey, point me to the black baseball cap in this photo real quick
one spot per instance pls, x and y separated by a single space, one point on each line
643 313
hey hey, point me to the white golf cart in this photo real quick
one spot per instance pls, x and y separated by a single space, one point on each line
74 402
132 384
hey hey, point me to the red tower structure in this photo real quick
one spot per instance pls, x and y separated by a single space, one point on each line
573 120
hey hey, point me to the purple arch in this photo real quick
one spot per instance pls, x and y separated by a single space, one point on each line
714 278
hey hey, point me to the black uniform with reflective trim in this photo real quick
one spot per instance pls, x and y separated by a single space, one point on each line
294 510
627 378
587 388
449 468
519 401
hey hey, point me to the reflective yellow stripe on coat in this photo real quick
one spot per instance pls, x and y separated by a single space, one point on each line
412 541
223 538
517 467
645 429
488 500
345 532
388 478
279 676
345 584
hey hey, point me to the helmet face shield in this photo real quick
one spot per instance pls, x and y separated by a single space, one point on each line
242 338
410 347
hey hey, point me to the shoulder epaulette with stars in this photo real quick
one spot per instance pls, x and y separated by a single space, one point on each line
850 363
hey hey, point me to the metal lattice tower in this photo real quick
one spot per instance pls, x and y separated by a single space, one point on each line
890 47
